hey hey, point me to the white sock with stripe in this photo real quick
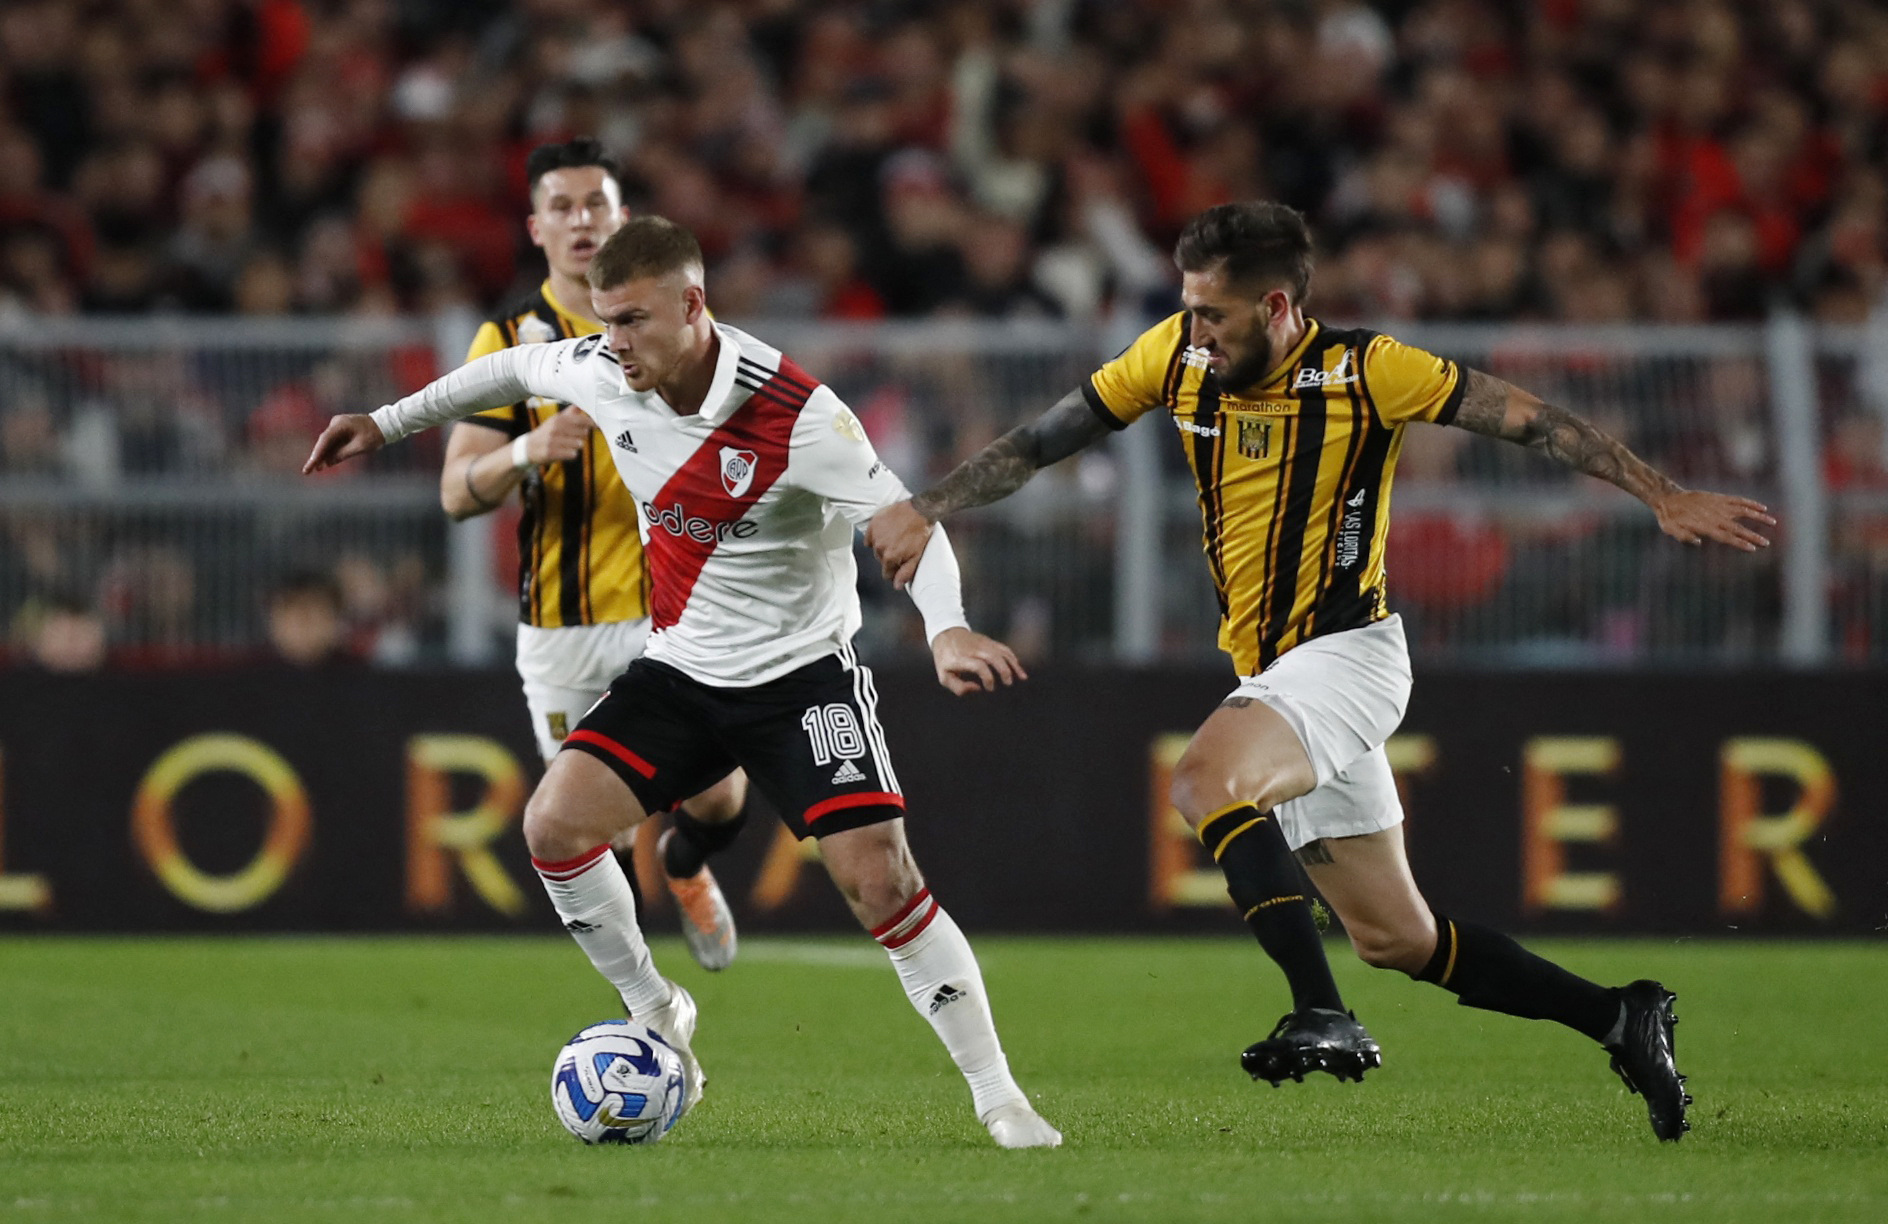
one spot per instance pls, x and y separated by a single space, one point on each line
941 978
594 902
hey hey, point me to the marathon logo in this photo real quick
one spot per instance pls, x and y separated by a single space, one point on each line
682 525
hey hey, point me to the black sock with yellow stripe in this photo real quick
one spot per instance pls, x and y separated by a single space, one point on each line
1269 888
1486 969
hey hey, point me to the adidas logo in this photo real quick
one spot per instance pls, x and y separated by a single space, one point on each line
848 772
577 926
626 442
945 996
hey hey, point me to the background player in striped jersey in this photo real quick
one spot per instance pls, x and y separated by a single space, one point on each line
583 592
1292 430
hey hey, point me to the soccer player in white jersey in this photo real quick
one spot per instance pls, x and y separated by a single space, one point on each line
751 477
583 592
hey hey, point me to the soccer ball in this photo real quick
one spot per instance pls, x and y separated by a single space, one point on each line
618 1082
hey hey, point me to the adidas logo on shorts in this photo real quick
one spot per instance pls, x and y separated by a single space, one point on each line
848 772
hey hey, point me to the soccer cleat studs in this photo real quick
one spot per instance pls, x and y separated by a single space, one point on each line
1316 1039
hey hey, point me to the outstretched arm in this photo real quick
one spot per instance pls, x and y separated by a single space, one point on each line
1006 465
1502 410
898 533
491 381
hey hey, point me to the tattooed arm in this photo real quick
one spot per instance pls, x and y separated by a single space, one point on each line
898 533
1501 410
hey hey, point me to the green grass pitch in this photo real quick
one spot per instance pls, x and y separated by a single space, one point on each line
407 1079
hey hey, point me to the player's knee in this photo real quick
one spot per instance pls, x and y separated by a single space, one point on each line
1390 947
549 833
1199 788
875 873
885 889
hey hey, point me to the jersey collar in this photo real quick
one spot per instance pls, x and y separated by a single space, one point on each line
1312 327
719 404
578 324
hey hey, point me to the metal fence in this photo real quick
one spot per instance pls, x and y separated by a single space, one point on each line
148 475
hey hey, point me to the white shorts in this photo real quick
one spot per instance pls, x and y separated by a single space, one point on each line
1344 694
566 671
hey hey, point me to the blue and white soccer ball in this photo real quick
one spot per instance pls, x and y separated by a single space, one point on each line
618 1082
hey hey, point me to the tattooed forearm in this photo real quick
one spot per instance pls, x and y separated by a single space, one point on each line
1006 465
991 474
1493 407
1576 443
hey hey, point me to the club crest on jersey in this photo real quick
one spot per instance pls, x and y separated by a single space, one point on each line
1255 438
737 470
533 330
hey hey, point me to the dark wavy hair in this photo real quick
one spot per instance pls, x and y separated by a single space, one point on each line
1258 242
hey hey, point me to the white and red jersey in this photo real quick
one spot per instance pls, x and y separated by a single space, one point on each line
747 507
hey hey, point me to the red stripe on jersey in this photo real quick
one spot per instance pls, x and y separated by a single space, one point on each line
891 924
702 493
565 869
826 807
614 749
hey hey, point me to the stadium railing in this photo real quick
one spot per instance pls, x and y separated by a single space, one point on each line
148 468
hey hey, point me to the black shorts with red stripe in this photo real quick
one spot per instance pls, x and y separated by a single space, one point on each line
809 741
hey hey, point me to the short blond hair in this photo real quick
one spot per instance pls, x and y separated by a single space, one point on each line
645 246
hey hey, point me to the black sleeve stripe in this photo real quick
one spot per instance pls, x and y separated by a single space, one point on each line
1454 402
1099 408
507 427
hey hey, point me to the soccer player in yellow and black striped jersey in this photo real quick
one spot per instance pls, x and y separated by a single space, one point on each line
583 592
1292 430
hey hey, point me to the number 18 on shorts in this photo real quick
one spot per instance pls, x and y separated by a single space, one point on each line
810 741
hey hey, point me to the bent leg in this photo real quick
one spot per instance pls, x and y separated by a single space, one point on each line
1244 761
700 827
1244 753
875 872
705 824
580 803
1368 883
576 810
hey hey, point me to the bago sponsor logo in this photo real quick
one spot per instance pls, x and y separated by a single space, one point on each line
683 525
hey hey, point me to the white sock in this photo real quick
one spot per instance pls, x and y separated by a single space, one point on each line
593 899
941 978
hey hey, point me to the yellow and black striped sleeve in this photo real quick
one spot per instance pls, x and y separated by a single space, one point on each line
1145 376
511 420
1407 384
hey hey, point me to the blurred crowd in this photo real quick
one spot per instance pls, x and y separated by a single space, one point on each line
1482 159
